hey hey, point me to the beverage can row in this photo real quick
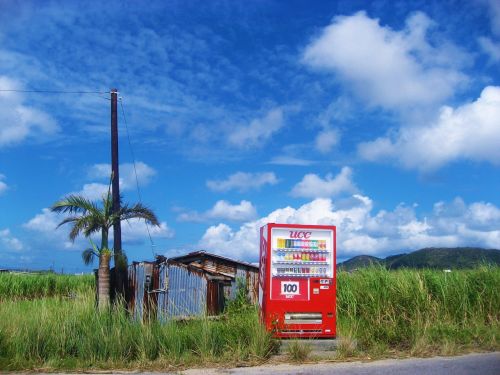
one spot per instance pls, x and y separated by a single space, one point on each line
302 270
286 243
300 256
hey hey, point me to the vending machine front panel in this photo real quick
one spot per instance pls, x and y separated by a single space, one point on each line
299 284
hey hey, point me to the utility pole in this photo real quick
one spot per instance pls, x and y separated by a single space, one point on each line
120 262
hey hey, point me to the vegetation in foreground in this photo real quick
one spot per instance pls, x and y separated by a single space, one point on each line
36 285
380 313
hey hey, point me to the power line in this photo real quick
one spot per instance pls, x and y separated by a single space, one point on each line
135 172
53 91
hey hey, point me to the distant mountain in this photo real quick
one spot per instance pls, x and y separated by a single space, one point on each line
439 258
452 258
360 261
393 258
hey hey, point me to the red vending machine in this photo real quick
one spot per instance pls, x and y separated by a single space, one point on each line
297 288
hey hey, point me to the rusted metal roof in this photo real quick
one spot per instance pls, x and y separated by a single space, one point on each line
202 255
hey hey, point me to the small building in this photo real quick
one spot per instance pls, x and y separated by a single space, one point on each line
234 270
195 284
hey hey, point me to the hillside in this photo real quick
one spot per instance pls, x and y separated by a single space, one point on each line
359 261
437 258
443 258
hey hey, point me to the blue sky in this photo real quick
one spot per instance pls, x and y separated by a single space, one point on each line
382 118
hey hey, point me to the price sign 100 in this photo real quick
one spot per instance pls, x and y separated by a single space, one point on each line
290 287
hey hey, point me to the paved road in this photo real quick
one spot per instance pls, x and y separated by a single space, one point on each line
470 364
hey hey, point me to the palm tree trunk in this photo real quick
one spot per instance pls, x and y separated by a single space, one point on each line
103 281
104 238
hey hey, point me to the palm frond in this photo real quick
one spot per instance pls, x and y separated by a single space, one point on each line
74 204
88 256
94 225
78 227
70 219
139 211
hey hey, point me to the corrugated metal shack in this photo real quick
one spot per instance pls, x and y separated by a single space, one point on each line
234 270
190 285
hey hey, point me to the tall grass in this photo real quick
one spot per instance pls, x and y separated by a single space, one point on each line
61 333
379 312
29 286
420 311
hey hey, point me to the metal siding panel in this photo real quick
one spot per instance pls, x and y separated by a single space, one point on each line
186 293
163 295
139 291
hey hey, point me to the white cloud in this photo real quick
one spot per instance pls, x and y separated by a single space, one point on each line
470 131
313 186
494 6
242 181
361 231
134 231
488 45
3 185
290 160
223 210
96 190
491 48
9 242
19 121
145 174
388 68
258 131
46 222
326 140
93 191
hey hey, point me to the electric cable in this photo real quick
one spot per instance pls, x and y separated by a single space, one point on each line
135 172
53 91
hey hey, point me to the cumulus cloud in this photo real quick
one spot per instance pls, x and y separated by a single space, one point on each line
19 121
491 48
9 242
488 45
96 190
223 210
313 186
362 231
134 231
386 67
45 223
93 191
290 160
326 140
242 181
494 7
3 184
259 130
470 131
145 174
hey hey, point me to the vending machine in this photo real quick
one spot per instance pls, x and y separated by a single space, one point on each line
297 288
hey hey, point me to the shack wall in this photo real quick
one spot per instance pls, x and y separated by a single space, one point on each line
141 281
250 278
182 291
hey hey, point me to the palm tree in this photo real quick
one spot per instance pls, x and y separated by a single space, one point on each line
87 218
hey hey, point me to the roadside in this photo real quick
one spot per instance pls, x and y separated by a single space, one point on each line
476 363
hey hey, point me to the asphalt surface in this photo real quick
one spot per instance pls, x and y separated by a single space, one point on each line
470 364
476 364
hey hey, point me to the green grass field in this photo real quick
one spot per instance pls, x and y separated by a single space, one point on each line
52 325
33 285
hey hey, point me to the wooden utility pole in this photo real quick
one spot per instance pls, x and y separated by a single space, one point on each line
120 262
